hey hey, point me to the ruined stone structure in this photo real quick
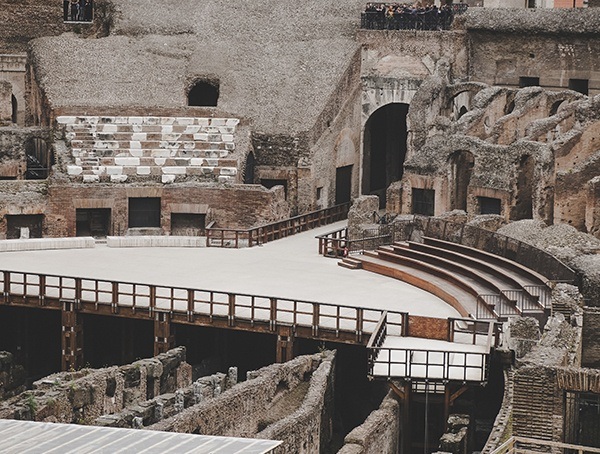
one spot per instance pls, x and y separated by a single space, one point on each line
166 121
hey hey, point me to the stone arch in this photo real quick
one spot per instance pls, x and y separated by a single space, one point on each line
523 205
555 106
203 93
384 149
461 170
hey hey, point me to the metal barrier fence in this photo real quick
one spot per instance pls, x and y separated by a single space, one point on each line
377 17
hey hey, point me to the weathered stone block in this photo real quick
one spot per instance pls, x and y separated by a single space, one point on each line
74 170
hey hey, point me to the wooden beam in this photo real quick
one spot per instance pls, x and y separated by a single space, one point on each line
399 392
458 393
71 337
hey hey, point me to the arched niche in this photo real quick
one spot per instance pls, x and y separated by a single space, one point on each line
204 93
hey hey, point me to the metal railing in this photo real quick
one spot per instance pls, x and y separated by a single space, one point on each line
377 17
456 365
236 238
206 307
523 445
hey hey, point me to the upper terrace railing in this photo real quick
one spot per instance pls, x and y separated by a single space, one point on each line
379 16
206 307
522 445
337 244
236 238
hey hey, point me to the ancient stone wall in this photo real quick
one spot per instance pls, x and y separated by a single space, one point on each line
12 376
379 434
237 206
591 337
260 406
82 396
551 45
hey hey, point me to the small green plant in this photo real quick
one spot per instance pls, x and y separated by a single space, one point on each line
31 404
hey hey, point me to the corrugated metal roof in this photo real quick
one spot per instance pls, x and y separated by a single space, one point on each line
28 437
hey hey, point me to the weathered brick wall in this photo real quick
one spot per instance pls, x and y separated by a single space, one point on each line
534 405
13 142
380 432
591 337
238 206
241 411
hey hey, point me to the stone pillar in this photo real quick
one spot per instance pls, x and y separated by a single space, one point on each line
163 340
5 103
285 345
592 207
72 337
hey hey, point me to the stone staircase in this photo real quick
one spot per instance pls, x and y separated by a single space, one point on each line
118 149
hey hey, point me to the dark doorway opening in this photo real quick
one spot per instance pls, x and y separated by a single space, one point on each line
343 184
579 85
489 205
39 159
204 94
144 212
529 82
384 149
249 169
523 208
14 109
33 336
423 201
269 183
93 222
109 341
30 225
462 163
188 224
582 419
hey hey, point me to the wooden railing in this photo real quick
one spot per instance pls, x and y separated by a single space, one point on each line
188 305
523 445
236 238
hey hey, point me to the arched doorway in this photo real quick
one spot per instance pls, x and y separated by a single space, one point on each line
461 169
523 207
204 93
384 149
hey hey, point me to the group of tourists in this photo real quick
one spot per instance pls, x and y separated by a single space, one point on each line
404 16
78 10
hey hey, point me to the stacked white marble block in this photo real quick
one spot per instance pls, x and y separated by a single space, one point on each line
116 148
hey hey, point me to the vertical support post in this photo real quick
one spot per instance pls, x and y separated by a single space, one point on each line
446 402
6 290
163 340
285 344
72 337
231 315
406 432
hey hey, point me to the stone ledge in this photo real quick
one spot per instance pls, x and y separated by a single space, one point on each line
156 241
40 244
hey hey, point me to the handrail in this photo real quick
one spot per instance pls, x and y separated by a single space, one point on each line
226 237
511 446
38 289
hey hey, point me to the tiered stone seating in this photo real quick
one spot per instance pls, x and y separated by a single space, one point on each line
107 148
473 281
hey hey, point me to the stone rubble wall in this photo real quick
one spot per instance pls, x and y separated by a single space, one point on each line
380 432
12 376
169 404
83 396
240 411
591 337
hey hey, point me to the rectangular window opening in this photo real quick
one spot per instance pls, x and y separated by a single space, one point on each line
579 85
423 201
144 212
529 82
489 205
